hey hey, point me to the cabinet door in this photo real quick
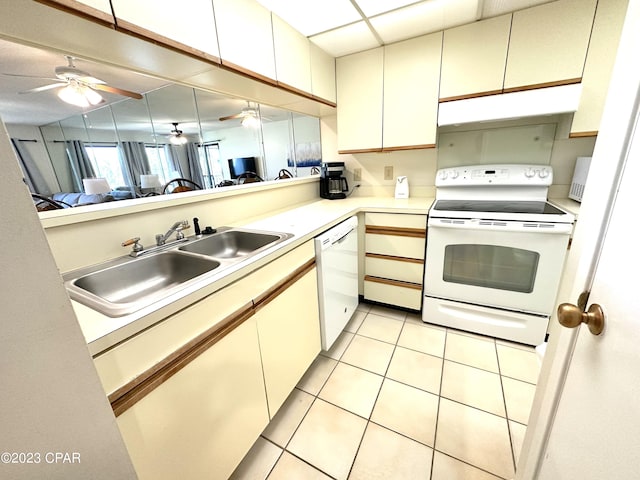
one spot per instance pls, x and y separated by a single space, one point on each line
474 58
410 96
245 36
607 28
393 292
323 74
289 332
359 90
549 43
193 27
201 422
293 60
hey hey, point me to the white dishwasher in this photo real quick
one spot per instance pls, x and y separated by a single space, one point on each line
337 262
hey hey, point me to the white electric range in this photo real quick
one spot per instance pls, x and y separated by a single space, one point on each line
495 251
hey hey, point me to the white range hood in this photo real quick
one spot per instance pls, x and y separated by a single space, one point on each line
528 103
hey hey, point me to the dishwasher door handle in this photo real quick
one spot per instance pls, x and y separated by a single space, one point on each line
342 238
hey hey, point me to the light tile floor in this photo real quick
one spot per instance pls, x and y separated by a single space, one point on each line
396 398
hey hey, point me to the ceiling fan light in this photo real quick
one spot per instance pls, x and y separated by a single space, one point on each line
250 121
178 139
79 95
73 95
93 97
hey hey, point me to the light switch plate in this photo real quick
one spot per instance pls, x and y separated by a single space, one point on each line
357 174
388 172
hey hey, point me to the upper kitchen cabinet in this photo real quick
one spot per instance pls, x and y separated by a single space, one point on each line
190 29
548 44
95 9
474 58
245 37
293 56
410 94
359 79
323 74
607 28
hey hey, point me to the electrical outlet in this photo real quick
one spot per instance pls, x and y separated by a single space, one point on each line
357 174
388 172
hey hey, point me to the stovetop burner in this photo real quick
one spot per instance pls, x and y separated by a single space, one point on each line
497 206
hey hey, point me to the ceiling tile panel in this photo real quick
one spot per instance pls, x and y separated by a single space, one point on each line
376 7
310 17
423 18
343 41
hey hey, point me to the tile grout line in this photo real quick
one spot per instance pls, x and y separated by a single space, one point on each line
506 411
369 421
435 433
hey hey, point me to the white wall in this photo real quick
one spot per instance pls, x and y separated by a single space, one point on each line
421 165
51 399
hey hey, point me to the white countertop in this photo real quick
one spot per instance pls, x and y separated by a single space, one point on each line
304 222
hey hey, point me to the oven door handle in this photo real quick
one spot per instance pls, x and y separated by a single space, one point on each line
501 226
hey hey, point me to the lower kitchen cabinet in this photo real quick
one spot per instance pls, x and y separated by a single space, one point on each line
289 334
394 258
201 422
193 393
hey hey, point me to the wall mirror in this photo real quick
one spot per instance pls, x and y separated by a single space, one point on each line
208 139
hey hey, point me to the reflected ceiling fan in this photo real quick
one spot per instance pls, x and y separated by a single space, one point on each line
77 87
176 136
249 116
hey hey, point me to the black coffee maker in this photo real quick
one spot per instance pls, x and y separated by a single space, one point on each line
332 184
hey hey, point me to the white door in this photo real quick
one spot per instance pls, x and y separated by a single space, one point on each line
595 431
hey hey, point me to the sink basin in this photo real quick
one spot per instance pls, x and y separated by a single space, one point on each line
233 243
126 287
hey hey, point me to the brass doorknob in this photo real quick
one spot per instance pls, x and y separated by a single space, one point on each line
571 316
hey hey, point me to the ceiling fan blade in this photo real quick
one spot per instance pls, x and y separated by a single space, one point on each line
43 88
33 76
230 117
118 91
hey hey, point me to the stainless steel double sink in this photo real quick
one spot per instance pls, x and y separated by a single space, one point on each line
126 285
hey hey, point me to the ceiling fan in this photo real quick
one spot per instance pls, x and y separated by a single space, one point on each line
249 116
176 136
77 86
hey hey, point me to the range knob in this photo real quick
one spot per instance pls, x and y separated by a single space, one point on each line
544 173
454 174
529 172
443 174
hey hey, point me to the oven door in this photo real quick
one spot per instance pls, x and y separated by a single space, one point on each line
508 265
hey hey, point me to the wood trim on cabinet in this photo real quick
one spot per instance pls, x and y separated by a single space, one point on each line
81 10
593 133
409 147
153 37
302 93
362 150
397 231
245 72
558 83
135 390
394 258
469 95
266 297
394 283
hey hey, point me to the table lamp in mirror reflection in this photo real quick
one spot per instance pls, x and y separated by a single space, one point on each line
95 186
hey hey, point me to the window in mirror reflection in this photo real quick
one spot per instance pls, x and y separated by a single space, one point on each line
130 139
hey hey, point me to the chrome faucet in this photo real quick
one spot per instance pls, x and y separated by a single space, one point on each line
176 228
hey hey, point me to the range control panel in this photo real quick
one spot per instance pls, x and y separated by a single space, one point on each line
503 174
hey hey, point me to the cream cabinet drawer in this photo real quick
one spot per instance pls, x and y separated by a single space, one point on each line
396 246
406 270
401 220
393 293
